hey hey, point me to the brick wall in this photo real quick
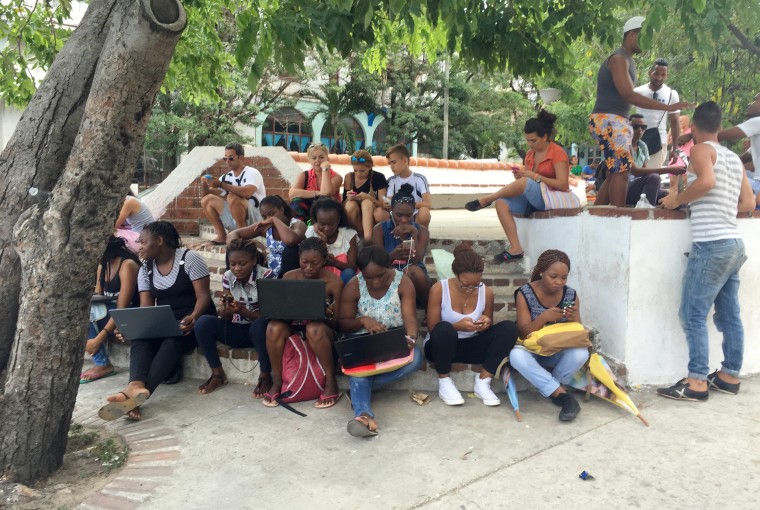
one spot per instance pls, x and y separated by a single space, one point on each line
185 210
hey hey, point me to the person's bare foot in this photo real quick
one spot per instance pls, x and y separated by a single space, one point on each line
134 415
263 386
274 392
96 372
129 392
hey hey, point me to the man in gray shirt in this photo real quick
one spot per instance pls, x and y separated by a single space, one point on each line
608 122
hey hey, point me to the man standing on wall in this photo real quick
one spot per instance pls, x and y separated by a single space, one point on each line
656 137
232 201
717 253
608 122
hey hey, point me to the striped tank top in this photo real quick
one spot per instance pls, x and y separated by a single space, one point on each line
713 216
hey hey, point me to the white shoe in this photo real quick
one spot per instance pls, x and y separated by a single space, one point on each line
483 391
449 393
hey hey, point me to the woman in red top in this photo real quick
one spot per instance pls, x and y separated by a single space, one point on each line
547 163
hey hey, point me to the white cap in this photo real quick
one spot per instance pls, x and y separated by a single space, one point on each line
634 23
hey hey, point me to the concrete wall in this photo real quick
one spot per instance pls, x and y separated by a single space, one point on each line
628 266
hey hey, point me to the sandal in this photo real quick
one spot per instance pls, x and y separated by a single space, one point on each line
505 256
113 410
207 387
264 385
361 427
320 404
270 399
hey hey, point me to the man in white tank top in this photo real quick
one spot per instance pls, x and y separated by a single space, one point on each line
717 253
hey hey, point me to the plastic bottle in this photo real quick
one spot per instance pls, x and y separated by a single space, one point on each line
643 203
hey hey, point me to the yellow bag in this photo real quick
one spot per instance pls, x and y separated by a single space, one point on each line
556 337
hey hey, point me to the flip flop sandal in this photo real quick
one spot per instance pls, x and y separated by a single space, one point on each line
358 428
505 256
85 381
113 410
214 377
272 402
258 386
419 398
320 403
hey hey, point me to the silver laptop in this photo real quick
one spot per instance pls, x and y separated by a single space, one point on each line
146 322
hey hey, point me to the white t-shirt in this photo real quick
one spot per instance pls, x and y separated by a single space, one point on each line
751 128
248 175
417 181
652 117
342 242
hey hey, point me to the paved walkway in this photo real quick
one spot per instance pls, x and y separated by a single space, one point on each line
227 451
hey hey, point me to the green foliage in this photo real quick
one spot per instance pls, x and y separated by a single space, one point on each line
30 37
110 454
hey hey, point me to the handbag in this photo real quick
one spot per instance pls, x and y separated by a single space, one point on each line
555 199
380 367
556 337
651 137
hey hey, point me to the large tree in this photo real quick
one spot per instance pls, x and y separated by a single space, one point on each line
79 137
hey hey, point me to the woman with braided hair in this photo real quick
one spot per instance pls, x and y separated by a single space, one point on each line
238 324
546 300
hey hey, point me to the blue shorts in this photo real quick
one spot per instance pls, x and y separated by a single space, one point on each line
755 186
530 201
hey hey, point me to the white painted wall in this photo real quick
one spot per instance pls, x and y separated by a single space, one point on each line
628 275
9 117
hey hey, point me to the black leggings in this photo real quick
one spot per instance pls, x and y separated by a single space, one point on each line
153 360
488 348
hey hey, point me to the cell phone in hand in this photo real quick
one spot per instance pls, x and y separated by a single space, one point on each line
408 244
567 303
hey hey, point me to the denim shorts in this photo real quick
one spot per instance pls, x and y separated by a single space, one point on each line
530 201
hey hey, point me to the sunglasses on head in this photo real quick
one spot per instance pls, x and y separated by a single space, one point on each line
362 159
640 126
316 144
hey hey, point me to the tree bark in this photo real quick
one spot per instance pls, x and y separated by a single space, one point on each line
37 152
60 240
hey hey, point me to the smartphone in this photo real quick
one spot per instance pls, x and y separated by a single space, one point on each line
567 303
208 176
408 244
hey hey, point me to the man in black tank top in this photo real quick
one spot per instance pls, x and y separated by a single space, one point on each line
608 122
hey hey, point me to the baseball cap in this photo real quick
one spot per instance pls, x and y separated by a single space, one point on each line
633 24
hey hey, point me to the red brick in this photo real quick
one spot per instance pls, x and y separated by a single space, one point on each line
187 214
620 212
501 282
541 215
476 368
148 434
498 306
563 213
124 484
149 446
110 502
488 281
135 471
223 351
519 282
511 307
240 354
667 214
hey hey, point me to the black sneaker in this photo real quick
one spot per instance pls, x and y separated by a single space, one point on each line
570 406
473 205
716 383
681 391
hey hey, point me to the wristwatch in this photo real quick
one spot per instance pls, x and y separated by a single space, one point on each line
538 177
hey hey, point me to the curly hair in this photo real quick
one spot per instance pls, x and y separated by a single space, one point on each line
249 246
328 204
466 260
313 244
166 231
545 260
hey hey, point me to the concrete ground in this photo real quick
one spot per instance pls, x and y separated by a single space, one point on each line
233 453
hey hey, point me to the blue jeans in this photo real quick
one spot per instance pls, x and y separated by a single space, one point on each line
100 358
361 387
532 366
712 276
530 201
210 329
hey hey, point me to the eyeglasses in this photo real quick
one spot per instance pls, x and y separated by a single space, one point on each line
362 159
640 126
469 287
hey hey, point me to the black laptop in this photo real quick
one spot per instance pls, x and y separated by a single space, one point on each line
146 322
291 299
366 349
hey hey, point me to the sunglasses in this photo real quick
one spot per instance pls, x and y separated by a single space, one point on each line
231 158
640 126
316 144
469 287
362 159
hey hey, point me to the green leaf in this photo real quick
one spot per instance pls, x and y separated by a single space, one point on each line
368 17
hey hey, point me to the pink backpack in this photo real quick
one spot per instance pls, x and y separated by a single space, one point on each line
302 375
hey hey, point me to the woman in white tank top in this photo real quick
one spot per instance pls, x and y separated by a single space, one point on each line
460 320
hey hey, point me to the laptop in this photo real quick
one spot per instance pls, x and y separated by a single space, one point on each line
146 322
291 299
366 349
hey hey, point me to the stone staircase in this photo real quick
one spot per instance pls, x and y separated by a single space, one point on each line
241 365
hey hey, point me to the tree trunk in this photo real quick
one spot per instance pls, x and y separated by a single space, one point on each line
60 240
37 152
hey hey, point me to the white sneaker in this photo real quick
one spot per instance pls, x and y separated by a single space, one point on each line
483 391
449 393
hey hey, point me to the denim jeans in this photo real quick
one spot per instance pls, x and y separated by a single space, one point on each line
210 329
361 387
712 276
533 366
100 358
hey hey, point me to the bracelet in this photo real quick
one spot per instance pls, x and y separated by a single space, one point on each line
537 178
